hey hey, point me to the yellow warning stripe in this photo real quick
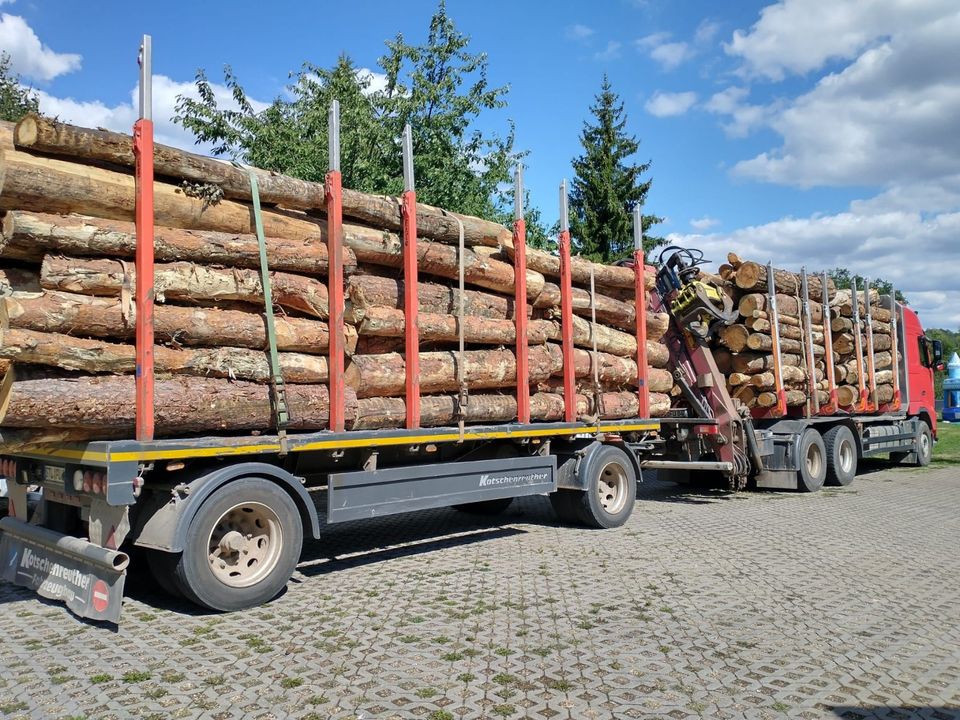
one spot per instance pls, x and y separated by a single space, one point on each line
332 444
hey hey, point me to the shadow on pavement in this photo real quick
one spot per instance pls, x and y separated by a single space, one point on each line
891 712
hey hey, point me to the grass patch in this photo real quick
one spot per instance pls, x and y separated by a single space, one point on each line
289 683
947 450
504 679
781 706
452 656
466 677
317 700
12 707
172 676
504 710
427 692
135 676
440 715
560 684
101 678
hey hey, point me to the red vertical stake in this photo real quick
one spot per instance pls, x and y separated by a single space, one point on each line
334 201
520 301
410 289
143 218
566 311
640 299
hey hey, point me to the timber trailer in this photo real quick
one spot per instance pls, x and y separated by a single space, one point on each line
222 520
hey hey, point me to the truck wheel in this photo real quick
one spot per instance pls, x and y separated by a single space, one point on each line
485 507
924 445
241 547
841 450
611 489
812 460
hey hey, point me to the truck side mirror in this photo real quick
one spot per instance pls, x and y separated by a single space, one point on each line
938 354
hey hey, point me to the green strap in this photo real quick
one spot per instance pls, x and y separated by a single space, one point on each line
276 377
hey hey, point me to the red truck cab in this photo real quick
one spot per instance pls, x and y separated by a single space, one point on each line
923 356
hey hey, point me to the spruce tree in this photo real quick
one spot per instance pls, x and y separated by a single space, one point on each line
607 185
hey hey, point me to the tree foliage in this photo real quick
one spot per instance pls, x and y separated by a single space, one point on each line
951 344
440 88
608 184
15 99
844 278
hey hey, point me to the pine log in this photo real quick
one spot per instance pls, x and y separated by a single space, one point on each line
734 379
759 341
384 375
99 357
786 305
746 394
884 394
843 299
183 404
790 374
753 276
758 362
723 359
791 332
847 395
48 136
184 282
614 276
794 398
880 342
734 337
390 323
761 319
28 236
33 439
57 312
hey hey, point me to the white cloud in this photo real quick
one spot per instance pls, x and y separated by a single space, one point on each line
376 81
649 42
918 252
28 56
671 55
743 117
122 117
666 104
579 32
798 36
706 31
704 223
888 117
610 52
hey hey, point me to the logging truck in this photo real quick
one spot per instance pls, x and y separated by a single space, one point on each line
220 517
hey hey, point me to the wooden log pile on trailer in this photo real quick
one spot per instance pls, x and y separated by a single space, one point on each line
814 354
67 316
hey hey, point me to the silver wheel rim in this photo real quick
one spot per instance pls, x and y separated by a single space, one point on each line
245 544
814 461
846 457
612 488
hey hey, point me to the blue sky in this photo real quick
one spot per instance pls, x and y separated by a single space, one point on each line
817 131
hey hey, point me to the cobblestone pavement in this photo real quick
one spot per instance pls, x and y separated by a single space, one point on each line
842 604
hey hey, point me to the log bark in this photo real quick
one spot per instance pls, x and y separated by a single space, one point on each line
790 374
769 399
791 332
761 342
100 357
603 275
390 323
183 404
367 290
735 337
184 282
48 136
753 276
787 305
57 312
29 236
757 362
384 375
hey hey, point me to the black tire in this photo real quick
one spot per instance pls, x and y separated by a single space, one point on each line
924 448
238 504
812 461
841 450
485 507
599 506
163 568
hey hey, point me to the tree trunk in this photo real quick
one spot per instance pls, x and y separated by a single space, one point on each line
48 136
734 337
98 357
28 236
183 404
603 275
790 332
753 362
761 342
753 276
184 282
384 375
387 322
787 305
769 399
56 312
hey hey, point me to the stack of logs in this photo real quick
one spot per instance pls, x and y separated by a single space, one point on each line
745 349
67 320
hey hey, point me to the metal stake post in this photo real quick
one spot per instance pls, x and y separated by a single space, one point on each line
813 400
828 348
410 285
566 311
143 216
894 350
334 202
775 338
520 298
871 363
861 404
640 299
